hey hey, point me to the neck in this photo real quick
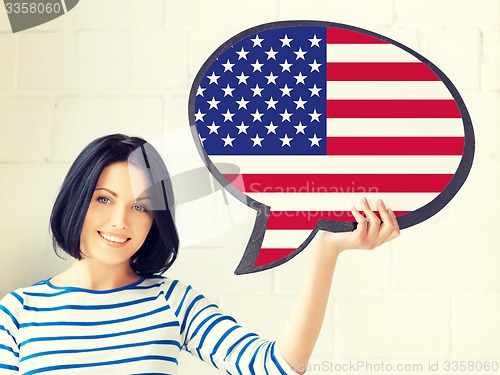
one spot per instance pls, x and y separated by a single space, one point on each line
88 275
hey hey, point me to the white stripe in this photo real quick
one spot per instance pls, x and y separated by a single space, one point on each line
287 239
338 164
387 90
341 201
367 53
394 127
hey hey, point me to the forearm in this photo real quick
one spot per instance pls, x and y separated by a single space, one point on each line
302 329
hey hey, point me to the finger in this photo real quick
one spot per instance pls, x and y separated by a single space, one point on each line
374 221
395 230
360 219
387 227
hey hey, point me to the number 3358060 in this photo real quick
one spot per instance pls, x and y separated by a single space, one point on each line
33 8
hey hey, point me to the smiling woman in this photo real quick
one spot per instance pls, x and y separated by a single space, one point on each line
112 312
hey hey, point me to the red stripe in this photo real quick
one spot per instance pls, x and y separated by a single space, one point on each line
392 108
341 183
267 256
379 71
395 145
342 36
297 220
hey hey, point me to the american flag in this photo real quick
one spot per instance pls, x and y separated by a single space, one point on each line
317 117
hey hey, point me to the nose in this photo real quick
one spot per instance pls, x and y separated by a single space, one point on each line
119 217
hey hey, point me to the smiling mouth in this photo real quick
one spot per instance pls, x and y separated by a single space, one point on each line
113 238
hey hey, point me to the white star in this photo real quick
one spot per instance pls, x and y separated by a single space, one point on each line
228 66
257 90
201 139
315 90
228 91
242 54
271 54
271 103
213 78
314 140
315 41
286 141
242 128
315 66
300 103
300 128
200 91
257 141
242 78
228 141
213 103
314 116
300 79
271 78
286 66
285 116
300 54
257 66
242 103
271 128
285 41
286 90
199 116
257 116
257 41
228 116
213 128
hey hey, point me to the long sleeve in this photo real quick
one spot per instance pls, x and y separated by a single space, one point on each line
9 326
216 338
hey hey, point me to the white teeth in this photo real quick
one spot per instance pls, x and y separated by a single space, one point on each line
112 238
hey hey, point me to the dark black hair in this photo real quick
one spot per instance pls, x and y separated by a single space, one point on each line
161 246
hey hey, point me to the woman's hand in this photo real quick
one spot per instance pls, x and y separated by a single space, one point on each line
370 232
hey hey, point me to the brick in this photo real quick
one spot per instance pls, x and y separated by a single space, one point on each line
475 204
491 60
397 326
476 329
20 180
359 13
25 128
448 12
104 59
46 61
110 14
23 260
457 53
160 59
79 120
444 259
8 51
225 13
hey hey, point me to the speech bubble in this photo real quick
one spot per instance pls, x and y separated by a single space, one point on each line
317 115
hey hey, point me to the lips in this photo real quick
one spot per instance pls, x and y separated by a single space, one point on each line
116 239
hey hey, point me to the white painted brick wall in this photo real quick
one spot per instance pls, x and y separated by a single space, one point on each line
127 66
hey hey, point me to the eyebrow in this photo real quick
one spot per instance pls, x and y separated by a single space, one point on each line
116 195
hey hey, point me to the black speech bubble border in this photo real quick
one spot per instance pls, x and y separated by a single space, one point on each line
253 248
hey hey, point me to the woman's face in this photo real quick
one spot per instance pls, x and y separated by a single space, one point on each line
119 216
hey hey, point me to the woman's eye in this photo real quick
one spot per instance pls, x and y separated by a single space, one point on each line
139 207
103 199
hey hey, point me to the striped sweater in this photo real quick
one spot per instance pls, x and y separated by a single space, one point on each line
137 329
